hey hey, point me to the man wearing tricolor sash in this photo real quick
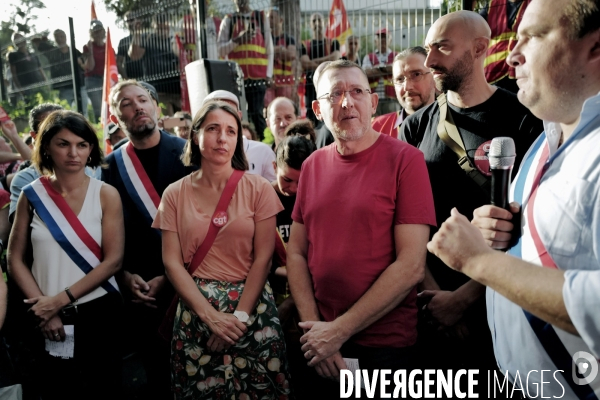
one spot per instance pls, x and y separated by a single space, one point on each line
141 170
543 296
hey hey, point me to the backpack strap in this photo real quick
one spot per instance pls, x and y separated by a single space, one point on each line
448 132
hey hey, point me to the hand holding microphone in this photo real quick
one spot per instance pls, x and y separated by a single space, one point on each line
497 222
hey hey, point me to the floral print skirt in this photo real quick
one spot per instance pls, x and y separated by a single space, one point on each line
254 368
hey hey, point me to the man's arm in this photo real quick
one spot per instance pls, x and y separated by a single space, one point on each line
268 38
299 278
136 49
538 290
121 66
389 290
3 300
10 131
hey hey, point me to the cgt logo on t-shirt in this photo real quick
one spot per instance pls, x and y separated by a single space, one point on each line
481 158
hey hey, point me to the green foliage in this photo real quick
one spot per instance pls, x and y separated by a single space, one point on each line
21 19
20 110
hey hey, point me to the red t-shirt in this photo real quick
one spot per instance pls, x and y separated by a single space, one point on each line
349 206
99 54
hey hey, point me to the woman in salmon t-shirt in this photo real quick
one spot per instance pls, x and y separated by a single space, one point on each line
227 340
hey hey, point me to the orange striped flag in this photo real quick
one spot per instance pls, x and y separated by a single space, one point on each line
111 77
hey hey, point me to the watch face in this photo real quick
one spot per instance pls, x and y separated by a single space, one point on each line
241 315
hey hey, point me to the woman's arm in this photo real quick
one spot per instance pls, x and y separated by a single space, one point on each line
113 239
17 247
20 272
225 326
264 245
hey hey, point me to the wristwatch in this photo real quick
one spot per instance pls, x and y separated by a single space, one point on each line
242 316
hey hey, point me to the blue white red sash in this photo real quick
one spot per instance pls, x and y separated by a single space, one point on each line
531 248
66 228
136 181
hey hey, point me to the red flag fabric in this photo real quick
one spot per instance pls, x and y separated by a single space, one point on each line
94 16
183 61
111 77
339 26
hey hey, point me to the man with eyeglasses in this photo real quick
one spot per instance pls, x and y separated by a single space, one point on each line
414 87
458 336
356 250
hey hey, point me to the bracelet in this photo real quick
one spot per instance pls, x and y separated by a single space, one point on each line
71 297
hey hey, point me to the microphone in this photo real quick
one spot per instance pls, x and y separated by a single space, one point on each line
502 159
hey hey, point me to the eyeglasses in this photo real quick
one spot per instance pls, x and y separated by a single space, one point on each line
415 76
336 96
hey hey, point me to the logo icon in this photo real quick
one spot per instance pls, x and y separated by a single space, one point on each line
220 219
585 368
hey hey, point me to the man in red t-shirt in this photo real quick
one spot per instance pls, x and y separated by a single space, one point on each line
357 245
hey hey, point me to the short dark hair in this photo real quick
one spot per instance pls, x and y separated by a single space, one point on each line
409 52
583 17
56 122
301 127
293 150
246 125
191 152
37 111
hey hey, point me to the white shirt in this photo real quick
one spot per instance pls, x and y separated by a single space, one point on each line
566 214
260 159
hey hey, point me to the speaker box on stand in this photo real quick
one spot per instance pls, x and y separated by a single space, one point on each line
205 76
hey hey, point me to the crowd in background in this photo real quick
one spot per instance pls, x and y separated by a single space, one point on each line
273 282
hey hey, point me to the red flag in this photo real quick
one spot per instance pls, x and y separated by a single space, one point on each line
183 61
339 26
94 16
111 77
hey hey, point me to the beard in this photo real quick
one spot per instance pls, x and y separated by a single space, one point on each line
141 131
456 75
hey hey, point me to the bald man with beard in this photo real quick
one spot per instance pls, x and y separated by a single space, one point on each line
455 306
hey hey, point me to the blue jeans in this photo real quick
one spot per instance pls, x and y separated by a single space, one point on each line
94 91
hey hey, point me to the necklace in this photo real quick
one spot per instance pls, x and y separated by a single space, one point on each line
65 193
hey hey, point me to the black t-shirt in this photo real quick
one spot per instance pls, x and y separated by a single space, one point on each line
289 40
134 69
150 161
317 50
27 67
500 115
161 65
60 65
284 218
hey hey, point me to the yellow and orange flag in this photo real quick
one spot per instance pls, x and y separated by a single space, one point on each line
111 77
339 26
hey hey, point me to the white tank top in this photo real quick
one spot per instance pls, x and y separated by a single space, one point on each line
52 268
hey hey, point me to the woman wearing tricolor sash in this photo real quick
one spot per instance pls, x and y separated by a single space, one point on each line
66 246
227 341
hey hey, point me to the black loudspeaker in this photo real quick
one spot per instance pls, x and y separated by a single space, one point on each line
205 76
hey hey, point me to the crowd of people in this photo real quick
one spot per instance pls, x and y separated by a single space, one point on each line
237 269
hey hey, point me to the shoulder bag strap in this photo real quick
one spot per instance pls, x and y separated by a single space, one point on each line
448 132
224 201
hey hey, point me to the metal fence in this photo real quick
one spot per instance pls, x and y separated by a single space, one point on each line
151 51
